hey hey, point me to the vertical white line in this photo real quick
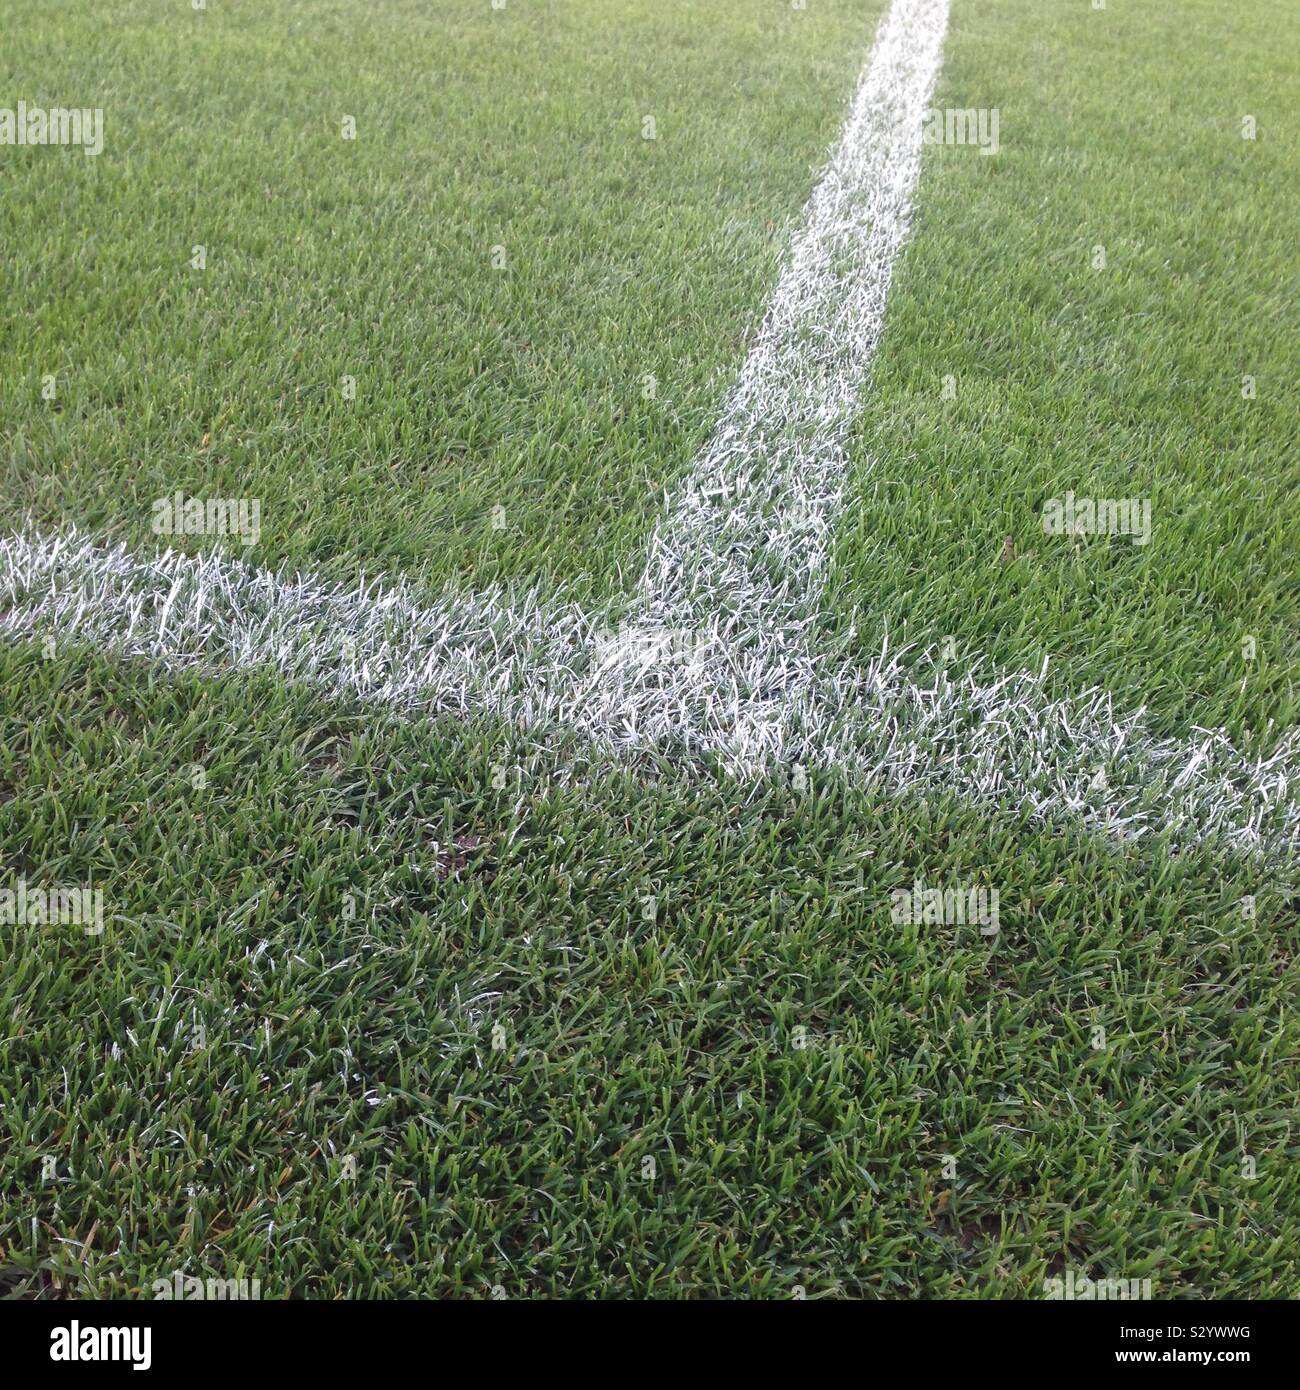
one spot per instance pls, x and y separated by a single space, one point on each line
745 539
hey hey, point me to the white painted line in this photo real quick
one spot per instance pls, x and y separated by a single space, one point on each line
736 567
992 741
746 536
212 612
717 653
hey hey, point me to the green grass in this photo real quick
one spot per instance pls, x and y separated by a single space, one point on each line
798 1067
475 388
776 1166
1119 128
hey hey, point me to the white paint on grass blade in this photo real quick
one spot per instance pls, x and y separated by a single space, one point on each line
986 740
731 585
746 538
718 653
213 613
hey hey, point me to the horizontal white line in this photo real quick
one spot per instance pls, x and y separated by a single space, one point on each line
987 741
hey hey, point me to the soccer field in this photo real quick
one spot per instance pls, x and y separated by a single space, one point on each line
649 650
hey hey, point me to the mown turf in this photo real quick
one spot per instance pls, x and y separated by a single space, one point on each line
203 1070
1119 128
684 969
523 388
